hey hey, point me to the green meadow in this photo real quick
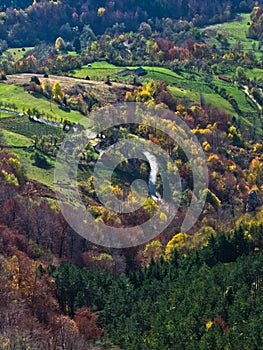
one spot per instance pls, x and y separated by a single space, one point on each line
233 31
22 146
183 85
17 53
23 100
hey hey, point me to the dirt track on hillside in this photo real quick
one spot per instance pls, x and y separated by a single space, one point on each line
107 93
24 78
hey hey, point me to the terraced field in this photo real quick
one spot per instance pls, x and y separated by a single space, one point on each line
188 87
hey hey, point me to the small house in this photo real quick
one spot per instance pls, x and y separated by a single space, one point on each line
140 72
224 78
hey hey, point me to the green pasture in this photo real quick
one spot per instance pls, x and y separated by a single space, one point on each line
23 100
188 86
22 146
233 31
23 126
17 53
73 53
98 71
255 73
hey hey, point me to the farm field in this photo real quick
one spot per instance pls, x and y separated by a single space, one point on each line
255 73
23 100
16 53
185 86
233 31
98 71
23 126
17 131
22 146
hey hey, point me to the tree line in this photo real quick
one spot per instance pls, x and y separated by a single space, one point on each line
69 18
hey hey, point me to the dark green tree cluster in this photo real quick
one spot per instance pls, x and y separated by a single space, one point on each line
208 300
26 23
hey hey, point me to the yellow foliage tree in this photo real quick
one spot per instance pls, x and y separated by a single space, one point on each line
206 146
128 96
60 44
256 168
18 169
57 91
9 178
101 11
212 198
177 242
150 206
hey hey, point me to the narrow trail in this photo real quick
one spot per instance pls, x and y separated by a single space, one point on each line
246 91
259 107
24 78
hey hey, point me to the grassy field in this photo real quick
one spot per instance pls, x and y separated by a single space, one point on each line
161 73
73 53
103 65
23 101
185 86
219 102
22 146
17 53
233 31
254 73
95 73
23 126
98 71
13 139
184 94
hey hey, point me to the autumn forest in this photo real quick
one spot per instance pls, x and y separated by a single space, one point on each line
131 175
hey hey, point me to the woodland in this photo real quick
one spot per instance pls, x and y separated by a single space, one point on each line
61 63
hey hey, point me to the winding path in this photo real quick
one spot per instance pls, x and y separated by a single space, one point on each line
259 107
246 91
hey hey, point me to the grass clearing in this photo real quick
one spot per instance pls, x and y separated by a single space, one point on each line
17 53
184 94
12 139
255 73
233 31
73 53
103 65
22 146
100 71
188 86
23 101
219 102
97 71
